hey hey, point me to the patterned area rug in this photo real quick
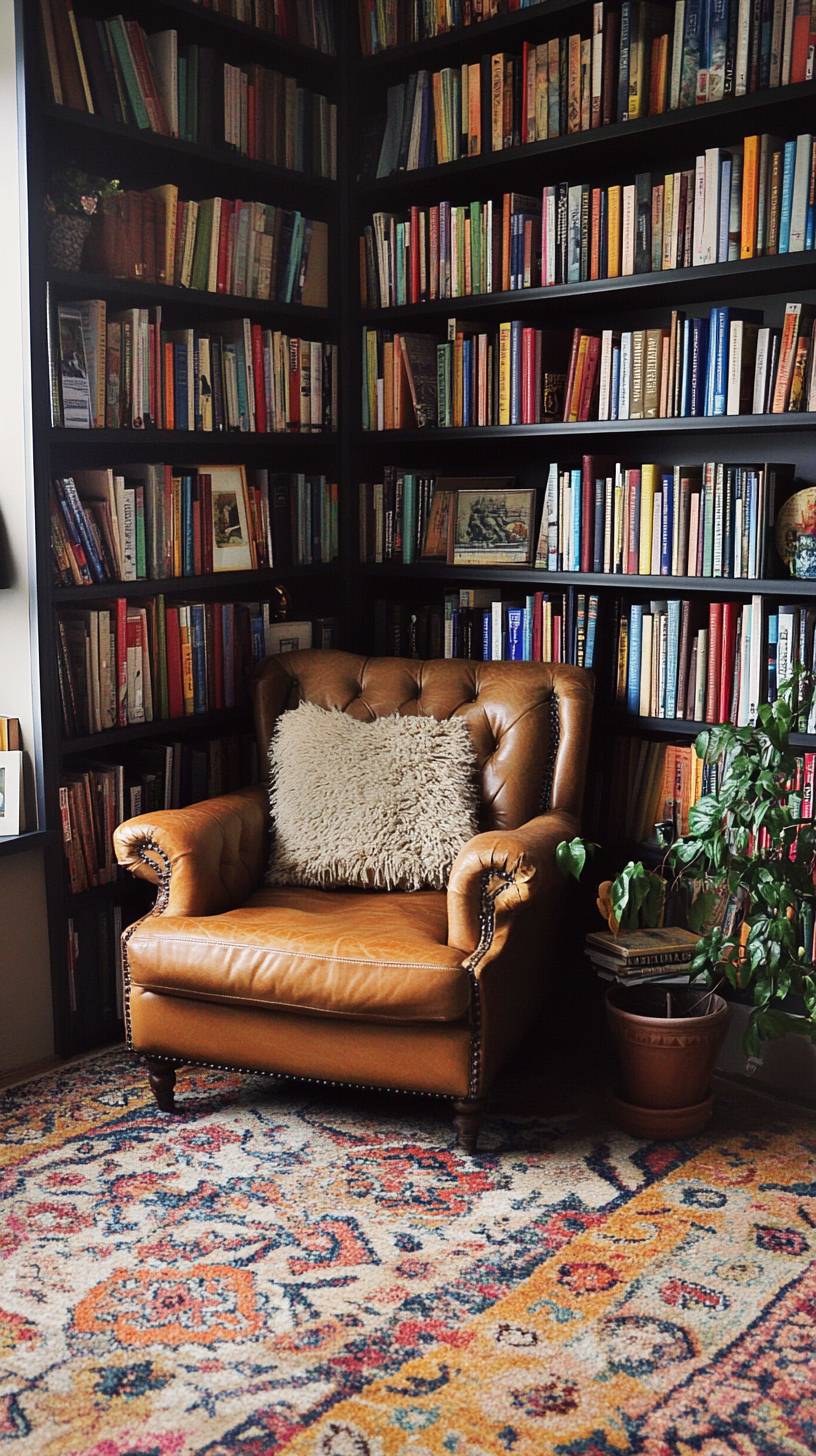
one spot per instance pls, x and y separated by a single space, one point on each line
281 1270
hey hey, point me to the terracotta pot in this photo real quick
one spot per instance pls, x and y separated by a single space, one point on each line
666 1062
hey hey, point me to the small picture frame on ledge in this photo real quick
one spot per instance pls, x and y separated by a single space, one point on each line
494 526
229 509
11 783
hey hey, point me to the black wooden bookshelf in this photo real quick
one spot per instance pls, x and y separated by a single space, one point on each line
349 590
55 136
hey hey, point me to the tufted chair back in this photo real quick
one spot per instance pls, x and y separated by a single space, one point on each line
529 721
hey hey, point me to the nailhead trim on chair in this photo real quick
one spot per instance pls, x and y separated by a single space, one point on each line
552 753
487 929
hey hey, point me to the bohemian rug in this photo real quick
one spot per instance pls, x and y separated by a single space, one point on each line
280 1270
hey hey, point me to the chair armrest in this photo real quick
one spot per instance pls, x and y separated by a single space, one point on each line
498 873
206 858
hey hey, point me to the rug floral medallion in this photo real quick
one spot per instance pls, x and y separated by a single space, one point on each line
284 1270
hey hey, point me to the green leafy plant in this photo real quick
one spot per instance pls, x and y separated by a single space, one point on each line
74 193
749 863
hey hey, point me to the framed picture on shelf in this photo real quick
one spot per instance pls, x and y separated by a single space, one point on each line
493 526
436 544
229 518
11 781
288 637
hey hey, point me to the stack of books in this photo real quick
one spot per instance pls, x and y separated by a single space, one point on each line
153 522
752 200
476 624
215 245
712 520
10 739
638 60
642 955
126 371
114 69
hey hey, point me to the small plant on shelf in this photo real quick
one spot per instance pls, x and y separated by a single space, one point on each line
72 200
747 863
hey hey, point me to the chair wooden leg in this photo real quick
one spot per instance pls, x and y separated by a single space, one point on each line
162 1077
467 1119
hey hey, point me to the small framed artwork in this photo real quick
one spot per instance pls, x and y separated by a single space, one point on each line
11 781
494 527
232 547
288 637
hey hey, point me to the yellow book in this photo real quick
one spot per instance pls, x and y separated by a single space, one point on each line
371 377
648 484
750 176
177 569
388 385
504 373
613 244
186 661
497 101
669 253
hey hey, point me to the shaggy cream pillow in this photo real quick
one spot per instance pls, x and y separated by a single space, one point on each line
385 805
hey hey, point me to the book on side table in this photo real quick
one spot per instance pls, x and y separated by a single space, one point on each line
639 955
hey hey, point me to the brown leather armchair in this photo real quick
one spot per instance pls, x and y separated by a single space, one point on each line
424 992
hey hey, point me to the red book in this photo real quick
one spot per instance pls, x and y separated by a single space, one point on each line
538 608
505 234
632 522
715 628
595 235
413 296
222 273
175 696
196 514
294 384
433 231
590 377
800 41
258 378
218 657
587 510
729 638
528 376
121 662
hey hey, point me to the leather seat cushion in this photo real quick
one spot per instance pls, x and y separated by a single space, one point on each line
378 957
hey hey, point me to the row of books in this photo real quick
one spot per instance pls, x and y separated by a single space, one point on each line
643 783
476 624
752 200
153 522
718 671
126 663
126 371
216 245
93 967
10 739
98 796
640 59
383 26
114 69
730 363
713 519
307 22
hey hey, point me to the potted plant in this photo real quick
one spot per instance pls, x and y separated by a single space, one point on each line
72 201
746 868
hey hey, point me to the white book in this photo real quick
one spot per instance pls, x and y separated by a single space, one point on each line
597 62
735 208
646 647
699 211
675 221
609 513
777 41
625 376
551 228
711 213
785 646
743 38
657 525
628 231
605 379
735 337
760 370
755 663
738 536
801 188
694 532
787 42
700 681
496 631
677 54
574 197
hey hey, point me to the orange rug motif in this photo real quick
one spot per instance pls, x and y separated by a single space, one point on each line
281 1270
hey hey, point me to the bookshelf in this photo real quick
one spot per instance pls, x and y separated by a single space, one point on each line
348 590
598 157
86 1010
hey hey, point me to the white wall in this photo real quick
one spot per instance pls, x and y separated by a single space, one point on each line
25 992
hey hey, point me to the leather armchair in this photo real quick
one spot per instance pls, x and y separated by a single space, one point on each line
423 992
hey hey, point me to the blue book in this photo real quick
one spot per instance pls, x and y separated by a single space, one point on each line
467 382
672 653
197 381
725 209
719 371
199 658
773 644
575 492
633 674
592 619
810 226
529 614
487 635
180 386
753 557
614 386
786 199
409 519
598 527
187 543
514 634
295 248
667 522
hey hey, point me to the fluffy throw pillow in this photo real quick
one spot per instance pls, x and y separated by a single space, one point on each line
383 805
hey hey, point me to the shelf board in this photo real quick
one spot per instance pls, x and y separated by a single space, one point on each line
133 140
213 582
790 272
623 140
543 580
686 728
228 719
464 38
301 56
181 442
20 843
134 294
585 430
